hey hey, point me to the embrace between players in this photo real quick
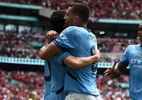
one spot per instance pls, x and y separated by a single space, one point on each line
71 58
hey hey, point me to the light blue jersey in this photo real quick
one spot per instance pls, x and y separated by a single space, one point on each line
133 57
79 41
54 73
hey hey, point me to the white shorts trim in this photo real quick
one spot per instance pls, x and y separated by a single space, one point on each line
79 96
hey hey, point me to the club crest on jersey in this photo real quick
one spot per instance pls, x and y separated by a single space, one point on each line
63 37
91 37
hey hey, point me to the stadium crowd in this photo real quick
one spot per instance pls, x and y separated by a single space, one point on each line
16 85
20 45
22 83
115 9
27 45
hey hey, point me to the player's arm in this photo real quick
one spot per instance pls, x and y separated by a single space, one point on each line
49 49
78 62
116 72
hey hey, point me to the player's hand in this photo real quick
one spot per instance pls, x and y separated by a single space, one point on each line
51 35
97 54
110 68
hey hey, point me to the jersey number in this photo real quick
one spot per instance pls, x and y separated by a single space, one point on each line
95 64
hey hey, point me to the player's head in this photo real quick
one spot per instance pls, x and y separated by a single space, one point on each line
140 31
77 14
32 95
57 21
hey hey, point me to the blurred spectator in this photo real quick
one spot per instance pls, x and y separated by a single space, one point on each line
27 46
112 9
22 83
32 95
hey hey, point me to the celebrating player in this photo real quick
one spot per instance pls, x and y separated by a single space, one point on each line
54 68
131 57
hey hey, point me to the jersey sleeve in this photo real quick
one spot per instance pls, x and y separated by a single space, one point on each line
62 56
67 39
125 57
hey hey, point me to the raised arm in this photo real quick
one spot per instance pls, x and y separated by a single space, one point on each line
49 49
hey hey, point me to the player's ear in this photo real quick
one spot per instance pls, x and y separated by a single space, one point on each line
76 18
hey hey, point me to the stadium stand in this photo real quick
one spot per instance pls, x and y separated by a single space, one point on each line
27 45
116 9
23 82
22 33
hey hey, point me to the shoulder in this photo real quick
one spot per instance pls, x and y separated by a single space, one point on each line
133 46
130 46
70 27
69 30
73 28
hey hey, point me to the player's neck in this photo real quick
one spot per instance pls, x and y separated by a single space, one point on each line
80 24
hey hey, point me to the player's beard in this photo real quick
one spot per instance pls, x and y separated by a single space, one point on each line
141 42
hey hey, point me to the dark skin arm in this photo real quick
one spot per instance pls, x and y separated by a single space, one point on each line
116 72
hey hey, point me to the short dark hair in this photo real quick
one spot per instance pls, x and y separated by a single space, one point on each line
57 21
81 10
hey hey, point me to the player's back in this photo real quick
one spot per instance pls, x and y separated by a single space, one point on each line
79 41
54 78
